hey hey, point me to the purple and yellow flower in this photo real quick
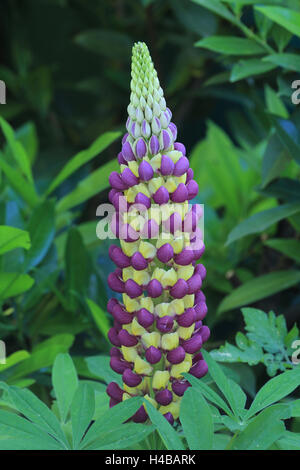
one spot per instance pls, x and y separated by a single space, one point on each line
157 333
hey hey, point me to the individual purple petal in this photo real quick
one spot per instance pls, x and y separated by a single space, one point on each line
169 417
114 351
166 165
185 257
129 178
194 283
138 262
199 369
200 269
131 379
133 289
113 402
118 365
142 200
192 345
154 145
121 315
165 253
124 138
150 229
187 318
205 333
192 188
177 355
127 152
140 416
121 159
199 252
116 182
200 297
189 175
154 288
161 196
201 310
115 283
145 171
165 324
180 289
180 194
153 355
119 258
140 148
180 386
165 139
110 305
114 391
145 318
113 337
180 147
173 223
164 397
181 166
173 129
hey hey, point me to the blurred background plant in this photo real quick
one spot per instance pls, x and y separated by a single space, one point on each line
227 68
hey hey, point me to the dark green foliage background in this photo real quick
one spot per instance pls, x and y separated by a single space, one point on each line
227 69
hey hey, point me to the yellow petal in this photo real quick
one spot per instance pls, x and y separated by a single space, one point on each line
129 354
170 341
160 379
141 366
186 333
151 339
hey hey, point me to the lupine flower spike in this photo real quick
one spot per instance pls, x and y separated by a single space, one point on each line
158 331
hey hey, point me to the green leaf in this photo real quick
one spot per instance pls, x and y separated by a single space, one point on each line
259 288
262 431
83 157
65 383
17 150
284 188
209 393
274 390
195 416
75 256
216 7
99 366
275 159
167 433
42 230
289 441
121 437
288 19
230 45
13 284
222 382
99 316
288 246
91 185
11 238
112 419
17 433
42 356
82 411
285 60
96 40
274 103
37 412
262 220
19 184
287 140
248 68
251 353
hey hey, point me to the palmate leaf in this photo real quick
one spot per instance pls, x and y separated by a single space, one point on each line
262 431
251 354
37 412
120 437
